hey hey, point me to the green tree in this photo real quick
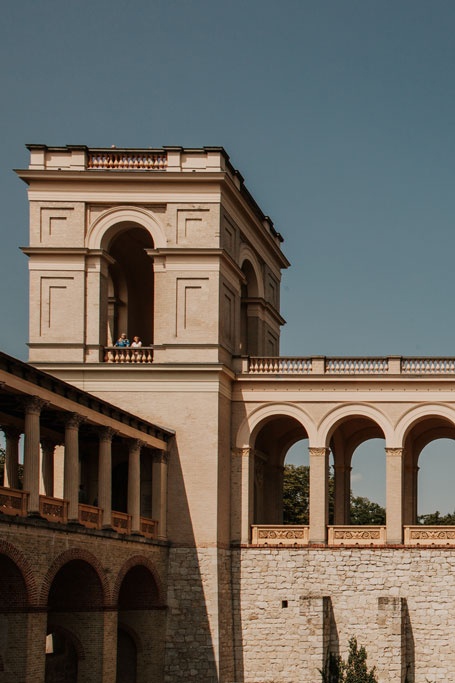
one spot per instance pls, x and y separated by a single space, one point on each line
354 670
437 518
364 511
296 488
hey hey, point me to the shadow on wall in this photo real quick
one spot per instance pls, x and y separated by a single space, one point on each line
190 652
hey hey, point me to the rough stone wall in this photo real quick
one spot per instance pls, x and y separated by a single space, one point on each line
399 603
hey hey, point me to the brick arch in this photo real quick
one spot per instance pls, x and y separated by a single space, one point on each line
56 628
132 633
26 570
137 561
66 557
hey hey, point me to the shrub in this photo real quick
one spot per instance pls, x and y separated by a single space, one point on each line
354 670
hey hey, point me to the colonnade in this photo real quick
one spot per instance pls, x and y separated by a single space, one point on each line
401 493
39 450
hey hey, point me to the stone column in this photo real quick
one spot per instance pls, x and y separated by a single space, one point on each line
11 478
394 494
159 491
341 513
71 467
411 471
33 406
242 494
105 475
134 484
319 494
47 465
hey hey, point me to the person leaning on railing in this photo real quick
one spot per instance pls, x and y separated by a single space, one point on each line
122 340
136 343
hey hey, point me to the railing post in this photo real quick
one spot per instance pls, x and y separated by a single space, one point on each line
394 365
318 365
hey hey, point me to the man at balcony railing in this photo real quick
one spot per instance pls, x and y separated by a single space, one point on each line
122 340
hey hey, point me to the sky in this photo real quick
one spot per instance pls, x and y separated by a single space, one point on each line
338 113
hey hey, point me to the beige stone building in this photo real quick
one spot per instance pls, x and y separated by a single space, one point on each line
177 530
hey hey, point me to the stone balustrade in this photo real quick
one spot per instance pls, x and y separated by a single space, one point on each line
266 535
341 535
53 509
321 365
273 534
121 522
128 354
429 535
127 160
13 501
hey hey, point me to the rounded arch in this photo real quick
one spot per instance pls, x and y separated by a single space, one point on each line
130 564
256 419
333 418
65 558
247 255
121 625
68 635
419 414
105 227
25 568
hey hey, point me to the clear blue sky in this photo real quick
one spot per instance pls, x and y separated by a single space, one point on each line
339 113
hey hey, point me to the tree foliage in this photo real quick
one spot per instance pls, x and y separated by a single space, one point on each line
437 518
353 670
296 489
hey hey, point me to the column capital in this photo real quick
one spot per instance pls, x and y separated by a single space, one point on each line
74 420
395 452
106 433
160 456
34 404
242 452
318 451
134 444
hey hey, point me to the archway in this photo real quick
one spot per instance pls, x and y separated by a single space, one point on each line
140 646
131 285
272 440
13 619
61 658
429 462
436 473
353 439
75 615
126 657
250 324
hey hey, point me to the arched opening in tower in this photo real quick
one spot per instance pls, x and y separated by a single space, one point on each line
131 286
